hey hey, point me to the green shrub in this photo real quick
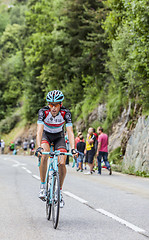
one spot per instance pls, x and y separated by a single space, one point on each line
116 156
9 123
116 101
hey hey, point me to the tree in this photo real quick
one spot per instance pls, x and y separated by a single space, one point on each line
129 53
11 68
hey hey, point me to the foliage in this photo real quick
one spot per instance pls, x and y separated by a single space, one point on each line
7 124
17 14
116 100
94 51
131 171
116 156
11 67
4 19
129 48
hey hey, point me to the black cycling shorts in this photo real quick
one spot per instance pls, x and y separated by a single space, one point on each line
57 138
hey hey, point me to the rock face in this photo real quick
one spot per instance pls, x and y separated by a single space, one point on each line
137 151
119 130
98 113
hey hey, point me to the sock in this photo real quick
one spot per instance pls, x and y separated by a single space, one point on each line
43 185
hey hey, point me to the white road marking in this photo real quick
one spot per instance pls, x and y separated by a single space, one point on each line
120 220
35 176
108 214
75 197
24 168
17 164
27 170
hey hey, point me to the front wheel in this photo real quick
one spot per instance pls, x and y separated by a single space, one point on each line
55 200
48 200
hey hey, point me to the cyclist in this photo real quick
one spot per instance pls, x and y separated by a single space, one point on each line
50 129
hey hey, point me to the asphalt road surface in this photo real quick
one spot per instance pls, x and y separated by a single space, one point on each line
102 207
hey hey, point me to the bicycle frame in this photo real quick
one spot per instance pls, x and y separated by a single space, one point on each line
51 183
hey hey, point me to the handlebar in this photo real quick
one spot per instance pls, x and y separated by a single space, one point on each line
58 153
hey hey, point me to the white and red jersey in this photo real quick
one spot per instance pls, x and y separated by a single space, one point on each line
54 124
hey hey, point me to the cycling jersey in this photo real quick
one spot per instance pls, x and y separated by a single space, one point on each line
54 124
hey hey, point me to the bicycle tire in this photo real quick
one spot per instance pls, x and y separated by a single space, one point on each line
48 204
55 200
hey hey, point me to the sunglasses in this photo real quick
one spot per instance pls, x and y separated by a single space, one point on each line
54 104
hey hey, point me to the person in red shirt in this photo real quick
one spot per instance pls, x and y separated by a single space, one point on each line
77 139
102 150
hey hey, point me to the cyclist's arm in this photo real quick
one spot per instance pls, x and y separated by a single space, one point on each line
39 134
70 136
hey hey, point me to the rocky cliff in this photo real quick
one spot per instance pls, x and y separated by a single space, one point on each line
137 150
130 133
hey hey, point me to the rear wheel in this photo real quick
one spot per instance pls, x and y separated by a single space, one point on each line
48 201
56 200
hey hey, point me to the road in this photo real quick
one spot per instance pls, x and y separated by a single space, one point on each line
96 207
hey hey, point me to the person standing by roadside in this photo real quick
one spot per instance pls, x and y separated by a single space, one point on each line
32 147
2 146
25 146
90 149
12 146
67 147
77 139
81 151
96 144
102 150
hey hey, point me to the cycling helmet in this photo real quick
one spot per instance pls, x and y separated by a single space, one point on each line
55 96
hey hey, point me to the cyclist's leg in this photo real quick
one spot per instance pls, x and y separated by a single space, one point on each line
43 169
60 145
45 144
62 167
43 166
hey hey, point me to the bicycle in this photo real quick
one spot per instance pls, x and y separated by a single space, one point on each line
53 197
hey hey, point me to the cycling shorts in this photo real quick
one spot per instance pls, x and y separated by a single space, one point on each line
57 139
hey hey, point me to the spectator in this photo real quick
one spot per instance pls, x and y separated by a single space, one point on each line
90 149
12 146
96 135
67 147
77 139
102 150
96 144
81 150
25 146
2 146
32 147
